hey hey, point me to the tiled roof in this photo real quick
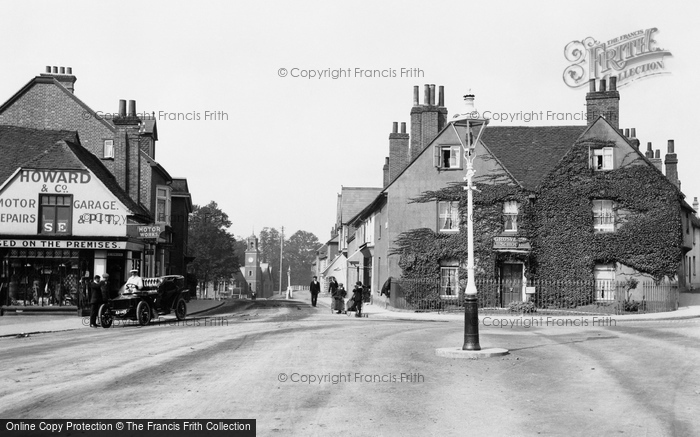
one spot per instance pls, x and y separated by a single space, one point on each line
355 199
49 149
529 153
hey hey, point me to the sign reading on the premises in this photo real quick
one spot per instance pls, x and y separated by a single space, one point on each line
63 244
60 203
629 57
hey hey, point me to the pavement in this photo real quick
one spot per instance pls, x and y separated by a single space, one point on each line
12 325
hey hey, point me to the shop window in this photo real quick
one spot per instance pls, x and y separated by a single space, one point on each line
602 159
447 157
163 205
448 216
108 149
510 216
604 275
56 212
449 280
603 216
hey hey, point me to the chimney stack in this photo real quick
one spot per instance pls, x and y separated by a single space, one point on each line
656 160
672 165
127 159
427 120
399 156
649 153
603 103
696 205
385 171
64 75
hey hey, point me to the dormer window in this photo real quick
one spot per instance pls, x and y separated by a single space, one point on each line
108 149
602 159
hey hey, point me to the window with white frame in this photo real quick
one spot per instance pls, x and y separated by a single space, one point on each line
603 216
602 159
448 216
108 149
604 275
163 204
510 216
449 280
448 157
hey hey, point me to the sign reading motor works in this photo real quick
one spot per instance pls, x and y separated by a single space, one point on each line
146 231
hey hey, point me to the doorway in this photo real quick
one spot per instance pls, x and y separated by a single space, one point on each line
511 283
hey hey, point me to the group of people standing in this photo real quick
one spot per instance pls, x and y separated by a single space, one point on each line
338 293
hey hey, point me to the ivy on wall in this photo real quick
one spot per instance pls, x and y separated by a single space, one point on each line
558 221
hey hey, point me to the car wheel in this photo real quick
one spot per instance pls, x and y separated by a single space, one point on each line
105 316
143 313
181 309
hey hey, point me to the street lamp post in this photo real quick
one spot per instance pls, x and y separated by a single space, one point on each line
473 120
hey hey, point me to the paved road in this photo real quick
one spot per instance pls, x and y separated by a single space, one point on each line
304 371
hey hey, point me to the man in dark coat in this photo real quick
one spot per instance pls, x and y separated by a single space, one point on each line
314 288
95 300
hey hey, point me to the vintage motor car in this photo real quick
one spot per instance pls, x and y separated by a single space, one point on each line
159 296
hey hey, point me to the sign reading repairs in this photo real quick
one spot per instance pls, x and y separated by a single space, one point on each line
630 57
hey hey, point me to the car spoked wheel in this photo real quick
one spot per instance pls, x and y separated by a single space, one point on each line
181 309
143 313
105 316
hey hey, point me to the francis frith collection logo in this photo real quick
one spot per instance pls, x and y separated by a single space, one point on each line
630 57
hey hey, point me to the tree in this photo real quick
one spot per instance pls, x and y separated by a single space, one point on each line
211 244
300 253
270 253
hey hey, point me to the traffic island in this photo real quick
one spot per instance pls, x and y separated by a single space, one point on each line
454 352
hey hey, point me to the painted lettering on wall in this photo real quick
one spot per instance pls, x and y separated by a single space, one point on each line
17 203
64 244
110 219
55 176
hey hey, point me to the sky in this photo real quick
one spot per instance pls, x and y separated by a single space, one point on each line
240 118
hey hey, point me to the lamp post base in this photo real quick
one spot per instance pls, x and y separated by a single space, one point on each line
471 323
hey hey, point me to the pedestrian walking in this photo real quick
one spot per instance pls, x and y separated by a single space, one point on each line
314 288
357 299
95 300
332 285
338 296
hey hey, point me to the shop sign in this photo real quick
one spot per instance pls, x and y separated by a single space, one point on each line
62 244
151 231
506 243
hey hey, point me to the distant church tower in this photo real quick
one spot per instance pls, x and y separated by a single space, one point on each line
253 274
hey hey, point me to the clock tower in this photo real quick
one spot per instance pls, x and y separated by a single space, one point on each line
253 274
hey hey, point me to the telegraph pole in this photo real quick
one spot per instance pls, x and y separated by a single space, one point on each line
281 256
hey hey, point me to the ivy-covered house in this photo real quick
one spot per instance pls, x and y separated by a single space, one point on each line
573 203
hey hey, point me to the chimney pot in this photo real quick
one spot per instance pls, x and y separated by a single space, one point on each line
48 69
122 108
441 95
627 133
63 70
132 108
657 154
426 95
55 70
415 95
403 127
69 70
613 83
432 95
602 85
591 85
671 146
395 127
634 132
649 146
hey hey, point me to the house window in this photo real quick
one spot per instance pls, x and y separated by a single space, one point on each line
448 157
449 281
603 216
510 216
448 216
602 159
604 275
108 149
163 205
687 223
56 214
